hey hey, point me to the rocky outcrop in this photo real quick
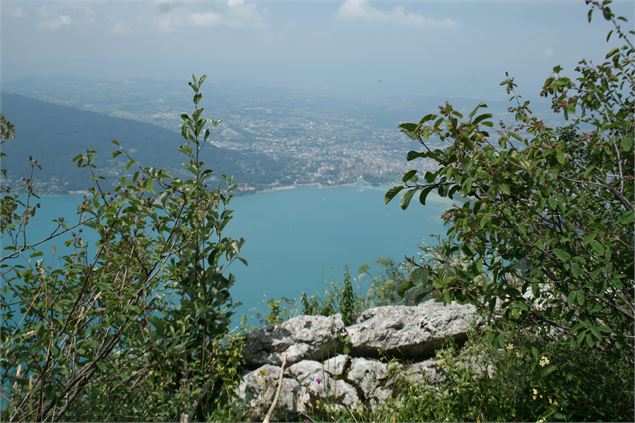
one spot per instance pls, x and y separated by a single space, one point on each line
407 331
299 338
386 345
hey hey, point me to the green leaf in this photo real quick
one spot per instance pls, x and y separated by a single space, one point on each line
627 218
560 156
548 370
419 276
392 192
405 199
597 247
414 155
424 195
427 118
571 297
482 117
562 255
408 175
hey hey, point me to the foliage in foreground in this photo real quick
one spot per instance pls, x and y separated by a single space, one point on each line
527 381
136 325
545 235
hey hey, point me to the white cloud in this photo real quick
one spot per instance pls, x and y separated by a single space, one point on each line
58 15
174 15
548 52
55 23
243 15
119 28
205 19
363 10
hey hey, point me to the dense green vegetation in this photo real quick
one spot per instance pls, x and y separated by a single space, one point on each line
544 240
137 327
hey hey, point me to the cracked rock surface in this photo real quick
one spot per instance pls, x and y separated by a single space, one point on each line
299 338
413 332
319 371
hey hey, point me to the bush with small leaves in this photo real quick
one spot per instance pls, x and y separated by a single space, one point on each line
137 325
544 235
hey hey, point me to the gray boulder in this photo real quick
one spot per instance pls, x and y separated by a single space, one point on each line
427 371
257 389
304 385
373 378
337 366
299 338
407 331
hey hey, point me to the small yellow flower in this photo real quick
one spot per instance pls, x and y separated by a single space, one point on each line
534 393
544 361
510 347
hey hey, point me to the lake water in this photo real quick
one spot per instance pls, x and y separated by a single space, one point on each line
299 240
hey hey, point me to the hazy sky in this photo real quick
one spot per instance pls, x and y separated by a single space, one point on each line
448 48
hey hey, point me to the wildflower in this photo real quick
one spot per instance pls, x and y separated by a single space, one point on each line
535 393
540 421
544 361
510 347
318 380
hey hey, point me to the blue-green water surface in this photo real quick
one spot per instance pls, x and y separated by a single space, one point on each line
299 240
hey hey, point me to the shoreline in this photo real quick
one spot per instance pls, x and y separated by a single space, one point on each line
237 192
361 184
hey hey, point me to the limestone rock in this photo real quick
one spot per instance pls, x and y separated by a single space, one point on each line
427 371
304 384
257 389
337 365
407 331
372 377
299 338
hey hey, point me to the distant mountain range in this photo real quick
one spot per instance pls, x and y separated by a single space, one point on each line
54 134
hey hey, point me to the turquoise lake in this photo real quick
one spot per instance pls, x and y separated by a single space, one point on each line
299 240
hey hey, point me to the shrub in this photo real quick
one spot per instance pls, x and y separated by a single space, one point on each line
347 299
545 234
142 316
